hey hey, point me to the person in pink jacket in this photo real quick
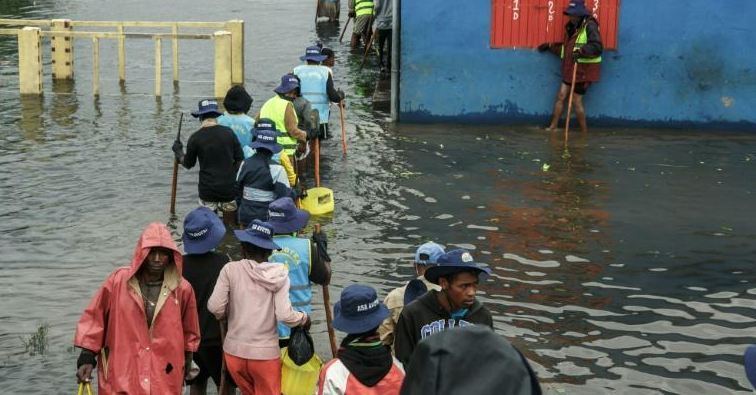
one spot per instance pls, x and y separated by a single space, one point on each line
141 327
252 294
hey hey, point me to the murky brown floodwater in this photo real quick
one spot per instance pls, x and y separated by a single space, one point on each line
626 268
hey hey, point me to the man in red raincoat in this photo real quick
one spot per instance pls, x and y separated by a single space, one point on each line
141 326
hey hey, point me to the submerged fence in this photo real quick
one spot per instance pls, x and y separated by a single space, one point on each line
228 44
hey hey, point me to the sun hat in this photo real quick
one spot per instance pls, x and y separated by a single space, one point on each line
285 217
576 8
237 100
258 233
266 136
452 262
359 310
203 230
289 82
206 106
313 54
432 250
750 364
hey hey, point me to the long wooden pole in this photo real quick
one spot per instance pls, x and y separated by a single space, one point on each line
175 170
329 313
569 101
367 50
343 128
317 163
341 38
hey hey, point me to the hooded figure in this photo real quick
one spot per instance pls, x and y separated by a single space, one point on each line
469 360
142 343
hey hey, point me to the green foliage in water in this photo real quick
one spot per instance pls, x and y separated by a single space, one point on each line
37 342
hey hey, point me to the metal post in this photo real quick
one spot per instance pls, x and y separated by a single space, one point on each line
96 66
29 61
395 49
174 41
236 27
121 54
62 50
222 41
158 64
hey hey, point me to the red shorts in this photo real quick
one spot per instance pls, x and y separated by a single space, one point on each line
255 377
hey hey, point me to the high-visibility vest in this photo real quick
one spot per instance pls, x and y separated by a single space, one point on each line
295 255
313 81
582 39
275 110
363 7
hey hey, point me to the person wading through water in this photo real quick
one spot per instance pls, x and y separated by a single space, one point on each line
317 86
141 327
454 306
219 154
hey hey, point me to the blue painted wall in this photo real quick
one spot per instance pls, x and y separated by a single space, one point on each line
679 63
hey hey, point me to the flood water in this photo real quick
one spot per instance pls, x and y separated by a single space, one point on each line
622 260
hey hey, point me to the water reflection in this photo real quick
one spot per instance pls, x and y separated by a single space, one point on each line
64 102
31 120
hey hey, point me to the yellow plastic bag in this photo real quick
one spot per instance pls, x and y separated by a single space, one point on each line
299 380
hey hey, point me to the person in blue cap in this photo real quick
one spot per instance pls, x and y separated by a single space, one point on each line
453 306
280 110
219 154
364 364
425 256
252 294
317 86
581 48
262 180
306 260
203 231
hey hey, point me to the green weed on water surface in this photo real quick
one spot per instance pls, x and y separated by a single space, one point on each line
37 342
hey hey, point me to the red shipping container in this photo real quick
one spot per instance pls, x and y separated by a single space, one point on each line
529 23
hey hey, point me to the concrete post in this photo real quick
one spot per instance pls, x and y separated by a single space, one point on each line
95 66
222 41
30 61
121 54
174 41
236 27
158 65
62 50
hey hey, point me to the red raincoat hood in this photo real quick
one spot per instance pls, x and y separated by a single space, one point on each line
155 235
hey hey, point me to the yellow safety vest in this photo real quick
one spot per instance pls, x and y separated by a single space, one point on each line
582 39
275 110
363 7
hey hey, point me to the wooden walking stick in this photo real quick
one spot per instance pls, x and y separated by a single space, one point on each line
569 101
343 128
175 170
341 39
317 163
367 50
328 312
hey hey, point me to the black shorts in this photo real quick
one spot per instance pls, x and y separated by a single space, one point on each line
580 87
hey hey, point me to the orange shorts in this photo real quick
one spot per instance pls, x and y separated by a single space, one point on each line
255 377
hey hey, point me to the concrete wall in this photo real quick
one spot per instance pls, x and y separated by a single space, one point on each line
678 64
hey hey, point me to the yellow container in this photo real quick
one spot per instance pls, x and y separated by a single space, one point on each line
318 201
299 380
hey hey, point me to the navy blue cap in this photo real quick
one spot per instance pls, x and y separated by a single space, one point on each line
289 82
750 365
415 289
359 310
312 53
452 262
203 230
258 233
266 136
206 106
576 8
285 217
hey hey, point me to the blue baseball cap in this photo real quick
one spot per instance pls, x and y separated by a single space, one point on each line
431 251
358 310
750 364
285 217
206 106
576 8
313 53
452 262
266 136
203 230
258 233
289 82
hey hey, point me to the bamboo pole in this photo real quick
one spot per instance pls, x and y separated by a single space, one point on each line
158 65
121 54
95 66
174 41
